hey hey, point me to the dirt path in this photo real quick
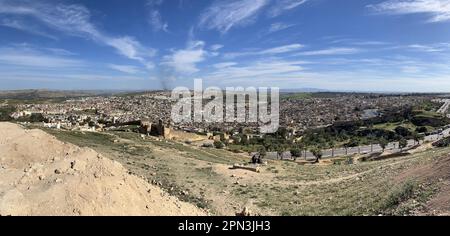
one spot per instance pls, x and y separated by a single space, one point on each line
348 177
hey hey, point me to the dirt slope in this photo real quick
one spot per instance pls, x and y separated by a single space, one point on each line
438 171
40 175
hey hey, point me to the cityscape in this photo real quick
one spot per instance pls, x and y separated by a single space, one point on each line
354 98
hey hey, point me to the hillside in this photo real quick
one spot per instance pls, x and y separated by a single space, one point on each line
395 185
40 175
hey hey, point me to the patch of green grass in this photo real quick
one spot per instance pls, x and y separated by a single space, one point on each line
296 95
83 139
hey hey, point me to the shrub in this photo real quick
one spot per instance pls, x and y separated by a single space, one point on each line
218 144
399 195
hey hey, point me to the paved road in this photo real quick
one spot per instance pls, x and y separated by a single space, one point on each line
444 107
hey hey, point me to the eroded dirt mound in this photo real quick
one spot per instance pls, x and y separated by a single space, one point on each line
40 175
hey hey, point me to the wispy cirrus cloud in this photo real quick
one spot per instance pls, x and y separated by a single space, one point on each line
224 65
269 51
354 41
61 51
281 6
26 27
124 68
278 26
330 51
440 47
155 18
439 10
31 58
224 15
75 20
282 49
216 47
261 71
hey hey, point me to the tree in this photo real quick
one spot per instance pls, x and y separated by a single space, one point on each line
331 143
296 152
5 113
353 143
402 131
317 152
300 146
346 148
418 137
402 144
421 129
383 143
279 149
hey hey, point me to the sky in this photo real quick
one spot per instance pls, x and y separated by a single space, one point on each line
345 45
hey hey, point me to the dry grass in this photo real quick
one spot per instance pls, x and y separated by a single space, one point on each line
201 176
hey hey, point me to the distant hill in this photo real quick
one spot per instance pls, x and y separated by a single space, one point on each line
49 94
303 90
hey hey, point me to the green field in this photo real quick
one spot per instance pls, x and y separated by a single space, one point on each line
296 95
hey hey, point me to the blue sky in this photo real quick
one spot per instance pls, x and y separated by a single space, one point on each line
360 45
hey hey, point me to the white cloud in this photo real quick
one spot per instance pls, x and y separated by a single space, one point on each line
353 41
26 27
61 51
156 21
330 51
270 51
430 48
284 5
75 20
130 48
224 65
439 10
216 47
282 49
185 60
125 68
26 57
155 18
278 26
226 14
259 70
